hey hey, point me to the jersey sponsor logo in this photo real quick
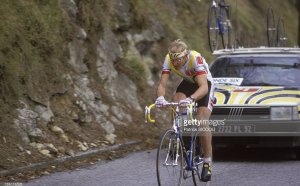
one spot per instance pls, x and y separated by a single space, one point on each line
199 60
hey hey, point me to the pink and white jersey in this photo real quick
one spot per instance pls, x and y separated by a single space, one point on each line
195 65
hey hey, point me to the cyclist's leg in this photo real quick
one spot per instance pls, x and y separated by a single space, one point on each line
178 96
183 90
203 114
205 106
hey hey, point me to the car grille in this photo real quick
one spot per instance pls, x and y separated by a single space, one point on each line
241 113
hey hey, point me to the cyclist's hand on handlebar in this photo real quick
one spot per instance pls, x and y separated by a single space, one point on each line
185 102
160 101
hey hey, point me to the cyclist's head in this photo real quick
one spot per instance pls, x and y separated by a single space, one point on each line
177 49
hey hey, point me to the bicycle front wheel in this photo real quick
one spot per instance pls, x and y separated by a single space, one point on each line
213 29
169 160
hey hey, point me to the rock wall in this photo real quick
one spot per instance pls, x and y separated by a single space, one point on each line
95 90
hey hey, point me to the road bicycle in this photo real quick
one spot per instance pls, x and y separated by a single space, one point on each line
276 34
271 28
219 24
176 160
281 38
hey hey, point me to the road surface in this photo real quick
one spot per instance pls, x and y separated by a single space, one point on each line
231 167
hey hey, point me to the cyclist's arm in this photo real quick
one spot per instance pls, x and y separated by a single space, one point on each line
201 81
200 78
161 89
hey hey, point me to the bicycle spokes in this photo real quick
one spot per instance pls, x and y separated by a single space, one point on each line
213 29
169 160
172 153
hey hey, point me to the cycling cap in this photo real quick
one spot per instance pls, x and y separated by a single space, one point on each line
176 55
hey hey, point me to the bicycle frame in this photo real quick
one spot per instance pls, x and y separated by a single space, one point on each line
220 16
219 24
188 154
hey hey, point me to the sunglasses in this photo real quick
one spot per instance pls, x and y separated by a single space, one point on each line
177 60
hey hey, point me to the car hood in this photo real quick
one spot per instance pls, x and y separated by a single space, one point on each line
256 95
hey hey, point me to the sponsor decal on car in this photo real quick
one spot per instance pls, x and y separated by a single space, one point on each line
256 95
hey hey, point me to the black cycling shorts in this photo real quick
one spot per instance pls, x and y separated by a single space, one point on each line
189 88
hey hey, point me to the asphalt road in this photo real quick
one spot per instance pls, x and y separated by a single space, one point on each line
231 167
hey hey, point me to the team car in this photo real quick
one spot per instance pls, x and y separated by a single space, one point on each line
257 97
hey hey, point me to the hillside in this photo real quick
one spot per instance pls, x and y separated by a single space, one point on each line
76 74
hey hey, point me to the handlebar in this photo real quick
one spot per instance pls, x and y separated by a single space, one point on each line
170 104
147 114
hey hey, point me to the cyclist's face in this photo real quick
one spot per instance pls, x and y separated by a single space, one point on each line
178 62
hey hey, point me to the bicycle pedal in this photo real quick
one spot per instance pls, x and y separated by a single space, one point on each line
198 160
199 163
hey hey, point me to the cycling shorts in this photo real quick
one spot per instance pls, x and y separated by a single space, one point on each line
189 88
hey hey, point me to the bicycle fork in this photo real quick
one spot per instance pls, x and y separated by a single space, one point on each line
173 147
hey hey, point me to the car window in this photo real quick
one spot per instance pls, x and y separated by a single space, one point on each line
283 71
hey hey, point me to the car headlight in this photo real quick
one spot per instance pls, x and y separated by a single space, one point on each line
284 113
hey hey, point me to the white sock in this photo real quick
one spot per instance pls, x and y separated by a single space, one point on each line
207 160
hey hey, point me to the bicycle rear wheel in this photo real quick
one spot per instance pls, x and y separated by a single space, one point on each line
281 34
271 28
198 165
169 160
226 30
213 28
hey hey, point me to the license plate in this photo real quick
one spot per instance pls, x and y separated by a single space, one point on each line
235 129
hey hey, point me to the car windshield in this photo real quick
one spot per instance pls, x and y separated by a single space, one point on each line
259 71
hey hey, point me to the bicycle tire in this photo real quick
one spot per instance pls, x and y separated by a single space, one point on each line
281 34
212 28
226 27
166 153
196 175
271 28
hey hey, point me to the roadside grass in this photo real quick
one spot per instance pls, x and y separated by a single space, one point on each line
31 44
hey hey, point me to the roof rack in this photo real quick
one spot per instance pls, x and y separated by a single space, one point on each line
258 50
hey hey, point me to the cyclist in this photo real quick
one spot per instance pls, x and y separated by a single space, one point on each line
196 85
